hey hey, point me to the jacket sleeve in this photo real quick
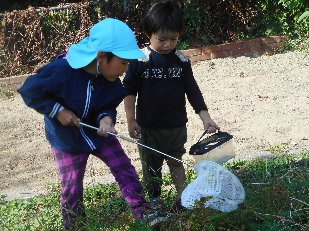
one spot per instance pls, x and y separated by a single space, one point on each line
112 113
193 92
39 90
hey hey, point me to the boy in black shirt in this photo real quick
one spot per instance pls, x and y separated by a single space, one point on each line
162 81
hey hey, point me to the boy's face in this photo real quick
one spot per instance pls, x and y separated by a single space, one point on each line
114 68
164 42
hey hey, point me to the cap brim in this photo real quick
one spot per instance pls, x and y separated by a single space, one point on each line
131 54
78 56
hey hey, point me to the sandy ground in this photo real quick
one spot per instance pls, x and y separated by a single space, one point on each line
262 101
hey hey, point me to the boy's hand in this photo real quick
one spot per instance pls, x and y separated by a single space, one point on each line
106 125
134 129
67 117
209 125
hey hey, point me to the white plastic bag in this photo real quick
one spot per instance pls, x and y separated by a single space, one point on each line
222 188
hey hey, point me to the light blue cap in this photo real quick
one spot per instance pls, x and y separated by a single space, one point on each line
108 35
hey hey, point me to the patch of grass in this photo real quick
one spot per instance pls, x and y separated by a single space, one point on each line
2 196
279 148
297 44
276 199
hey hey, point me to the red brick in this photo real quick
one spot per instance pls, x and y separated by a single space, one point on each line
192 52
257 49
276 45
232 46
268 40
222 54
268 50
211 49
255 41
227 53
284 38
277 38
240 52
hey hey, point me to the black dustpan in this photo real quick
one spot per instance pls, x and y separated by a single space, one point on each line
217 148
209 143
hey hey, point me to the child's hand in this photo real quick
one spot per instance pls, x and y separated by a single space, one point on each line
209 125
67 117
106 125
134 130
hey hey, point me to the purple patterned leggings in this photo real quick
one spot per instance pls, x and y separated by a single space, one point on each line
71 169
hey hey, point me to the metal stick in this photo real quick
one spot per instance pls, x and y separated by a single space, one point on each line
135 142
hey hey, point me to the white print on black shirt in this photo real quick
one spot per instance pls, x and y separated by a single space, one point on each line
159 73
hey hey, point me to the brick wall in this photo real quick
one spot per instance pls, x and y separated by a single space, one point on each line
251 48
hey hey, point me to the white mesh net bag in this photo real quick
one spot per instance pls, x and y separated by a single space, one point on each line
217 183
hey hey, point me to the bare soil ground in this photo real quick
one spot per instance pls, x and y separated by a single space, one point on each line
263 102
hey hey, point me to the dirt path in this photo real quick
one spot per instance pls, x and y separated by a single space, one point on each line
262 101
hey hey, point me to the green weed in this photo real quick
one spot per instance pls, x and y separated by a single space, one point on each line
276 199
279 148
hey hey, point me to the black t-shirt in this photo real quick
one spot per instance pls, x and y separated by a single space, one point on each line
161 83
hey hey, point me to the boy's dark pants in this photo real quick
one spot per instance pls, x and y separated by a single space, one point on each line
167 140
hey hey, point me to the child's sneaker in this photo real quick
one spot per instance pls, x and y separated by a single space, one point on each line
153 217
155 203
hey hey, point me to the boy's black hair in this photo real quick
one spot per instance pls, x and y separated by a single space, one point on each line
165 16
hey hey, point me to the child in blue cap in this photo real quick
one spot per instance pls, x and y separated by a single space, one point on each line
85 87
160 83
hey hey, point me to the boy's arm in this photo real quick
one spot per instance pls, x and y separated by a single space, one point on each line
129 107
193 92
37 93
131 83
196 99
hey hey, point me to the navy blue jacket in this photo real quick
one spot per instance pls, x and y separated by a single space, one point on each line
90 97
161 83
